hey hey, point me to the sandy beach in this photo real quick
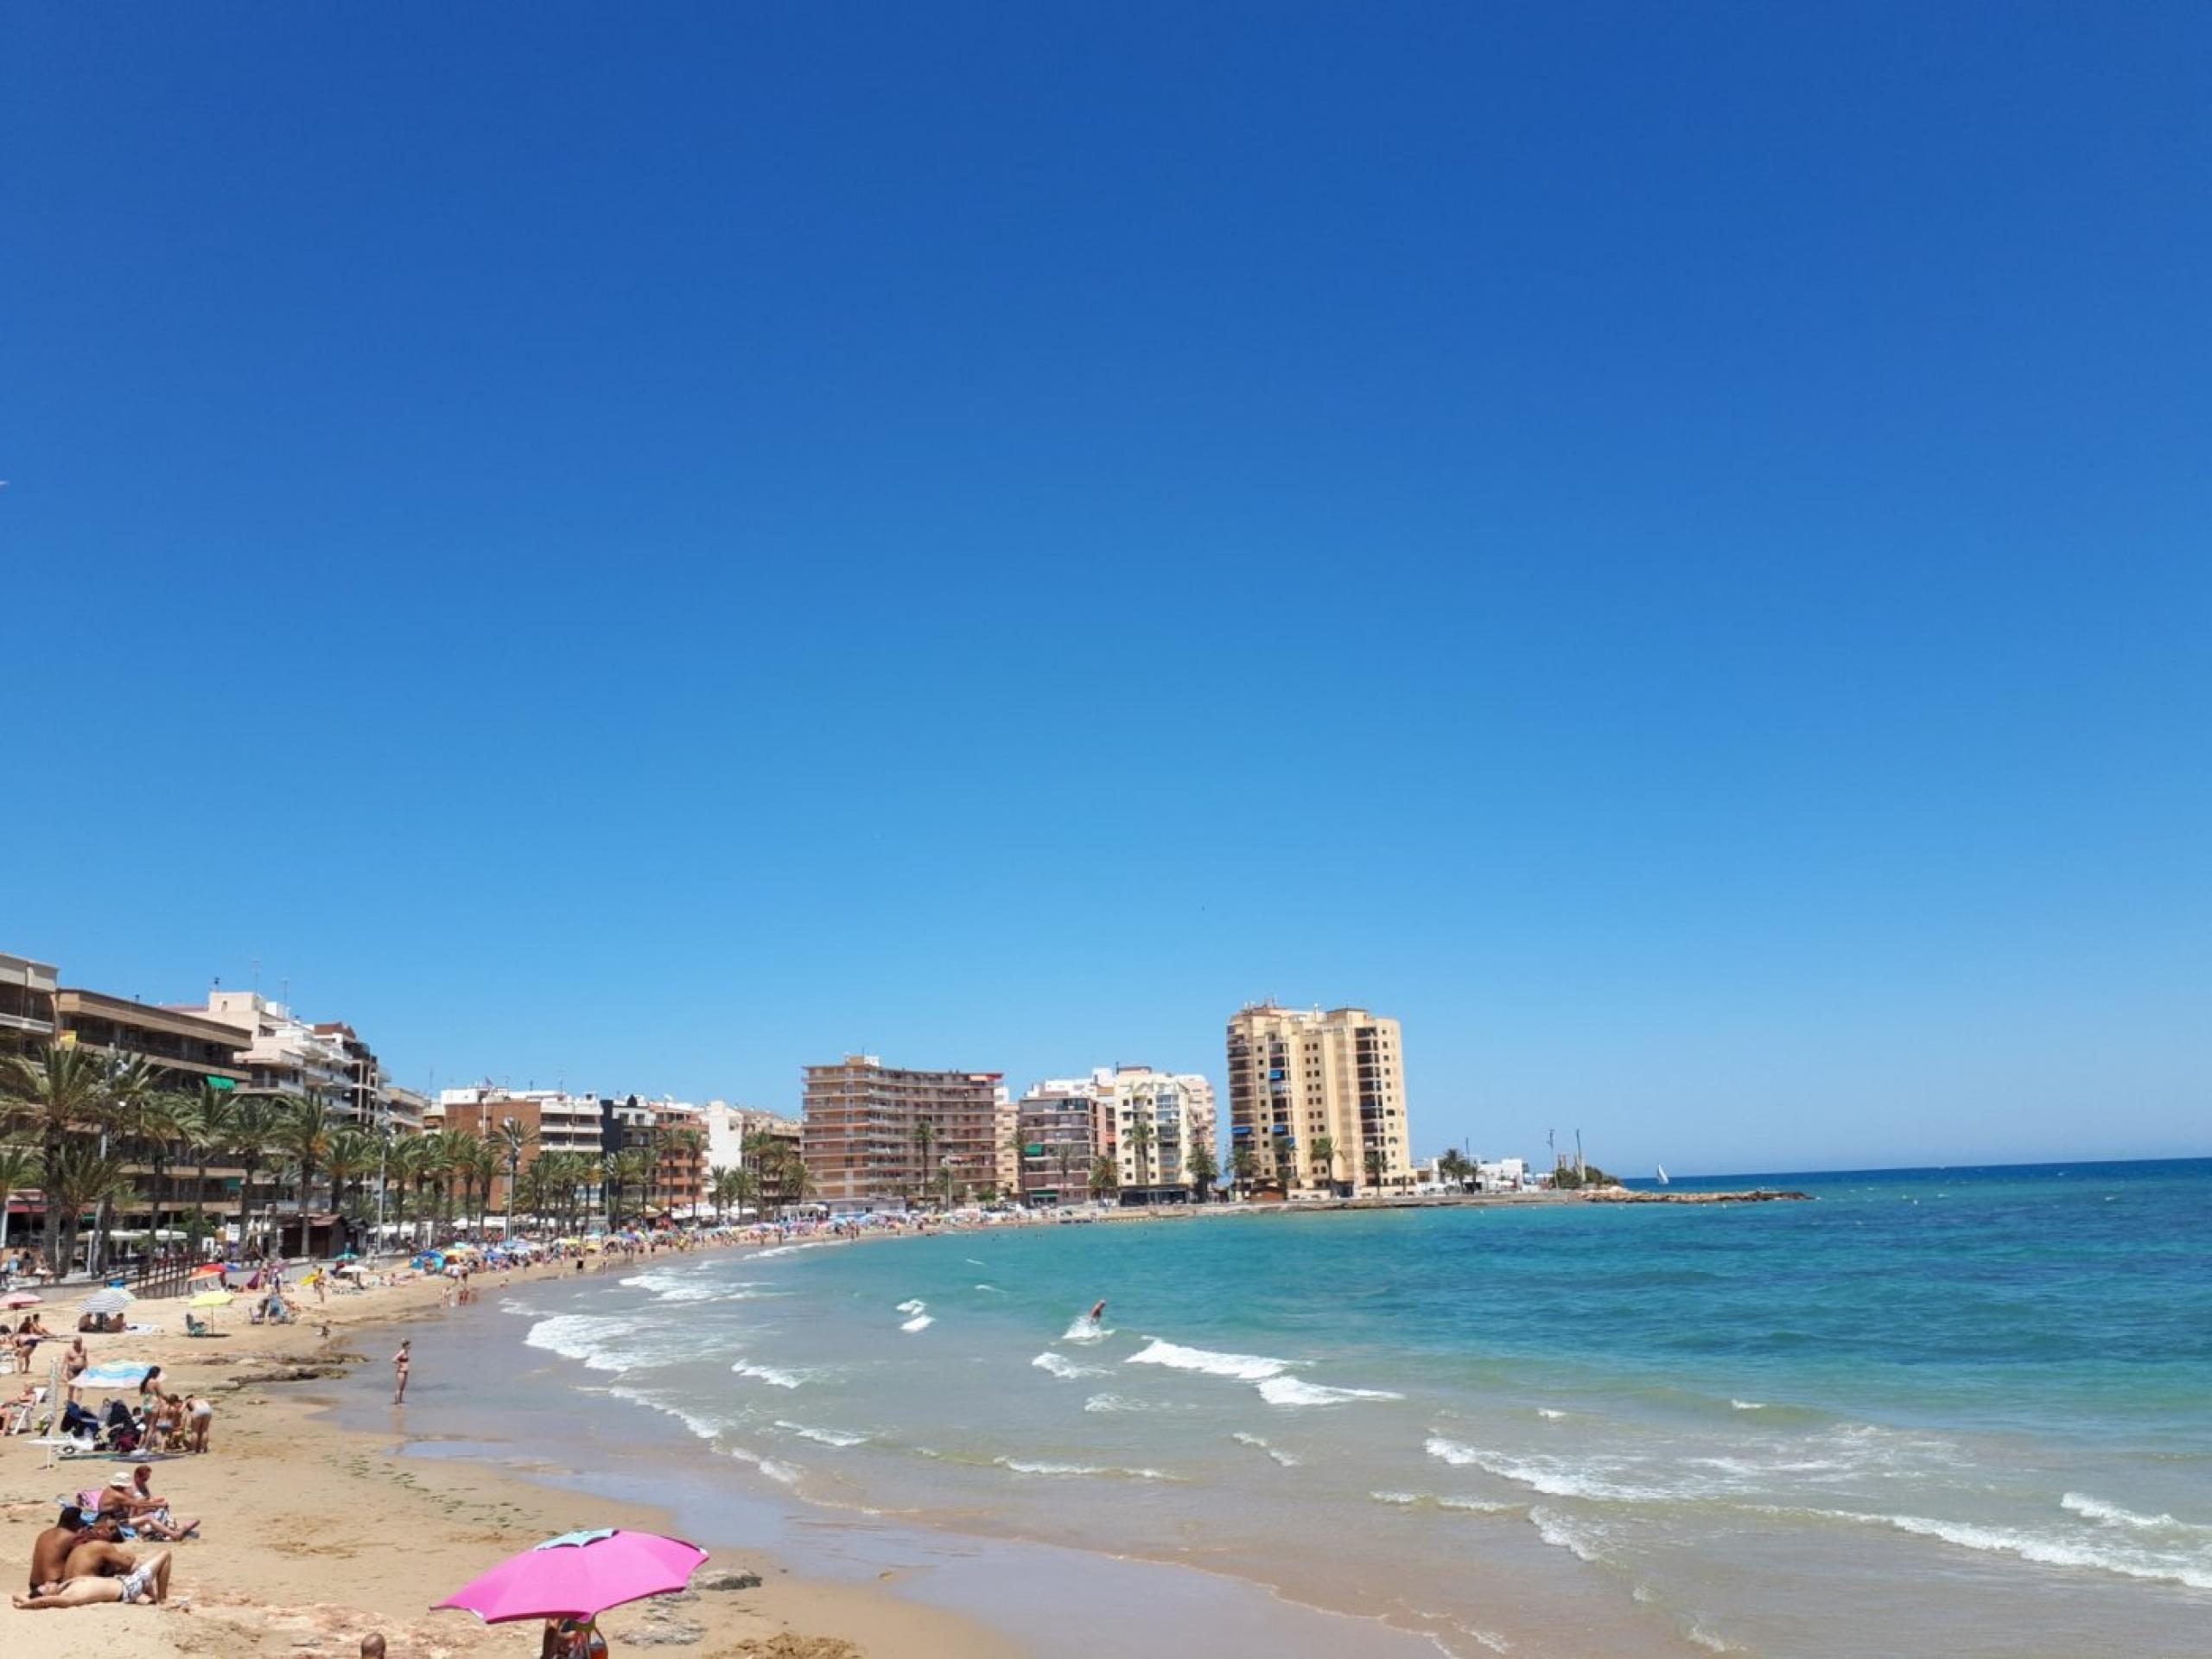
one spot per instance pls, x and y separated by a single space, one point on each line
312 1536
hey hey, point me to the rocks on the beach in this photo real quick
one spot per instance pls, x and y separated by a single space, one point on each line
725 1582
675 1633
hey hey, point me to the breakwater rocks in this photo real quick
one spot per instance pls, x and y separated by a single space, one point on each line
1756 1195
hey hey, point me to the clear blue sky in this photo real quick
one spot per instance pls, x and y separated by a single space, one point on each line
1669 547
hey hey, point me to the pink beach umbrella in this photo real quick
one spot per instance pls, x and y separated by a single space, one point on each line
579 1575
20 1299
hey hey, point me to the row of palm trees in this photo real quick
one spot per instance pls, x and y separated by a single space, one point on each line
88 1130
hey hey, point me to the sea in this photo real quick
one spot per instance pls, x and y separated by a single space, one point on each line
1932 1411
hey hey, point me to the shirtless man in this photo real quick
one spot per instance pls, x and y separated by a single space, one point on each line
50 1550
98 1555
147 1581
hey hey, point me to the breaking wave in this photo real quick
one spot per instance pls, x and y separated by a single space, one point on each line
1247 1368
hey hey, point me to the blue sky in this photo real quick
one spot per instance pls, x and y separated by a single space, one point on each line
1667 547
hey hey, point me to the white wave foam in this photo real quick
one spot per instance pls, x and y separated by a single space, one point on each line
705 1427
1561 1533
792 1250
592 1338
1035 1466
1555 1476
773 1375
1061 1365
1083 1328
919 1322
2095 1509
1118 1403
1272 1450
1249 1368
1748 1405
784 1474
972 1261
1296 1391
826 1436
2048 1551
993 1289
915 1306
1424 1500
1546 1411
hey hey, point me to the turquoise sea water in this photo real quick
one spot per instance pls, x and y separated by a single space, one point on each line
1956 1411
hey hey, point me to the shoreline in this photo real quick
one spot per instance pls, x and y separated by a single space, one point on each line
313 1534
1032 1593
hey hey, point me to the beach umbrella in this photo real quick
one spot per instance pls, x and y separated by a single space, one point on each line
21 1299
212 1299
211 1270
579 1575
112 1374
112 1299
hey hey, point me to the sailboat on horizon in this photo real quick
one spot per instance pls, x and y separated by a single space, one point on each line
1662 1174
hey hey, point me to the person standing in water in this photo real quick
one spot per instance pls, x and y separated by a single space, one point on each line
1097 1311
400 1362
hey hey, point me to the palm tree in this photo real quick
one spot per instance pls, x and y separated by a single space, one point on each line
207 1130
305 1136
152 1124
1374 1162
1285 1148
483 1169
256 1122
1244 1164
1063 1159
1323 1151
1142 1137
351 1154
79 1177
627 1169
1203 1169
68 1091
925 1138
1104 1178
516 1138
405 1166
19 1167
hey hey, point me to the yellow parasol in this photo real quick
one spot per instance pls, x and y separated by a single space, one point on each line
211 1298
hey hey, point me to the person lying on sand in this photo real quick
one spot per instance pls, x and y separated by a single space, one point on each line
98 1555
149 1581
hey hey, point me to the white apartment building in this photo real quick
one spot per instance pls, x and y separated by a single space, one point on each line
561 1121
284 1055
1099 1115
727 1125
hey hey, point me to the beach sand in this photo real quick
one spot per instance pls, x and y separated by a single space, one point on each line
312 1536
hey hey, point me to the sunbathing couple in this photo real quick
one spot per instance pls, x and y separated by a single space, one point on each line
79 1565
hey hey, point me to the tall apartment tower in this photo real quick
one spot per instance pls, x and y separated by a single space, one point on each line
1296 1074
860 1143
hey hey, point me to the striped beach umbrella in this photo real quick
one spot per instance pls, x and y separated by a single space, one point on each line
113 1299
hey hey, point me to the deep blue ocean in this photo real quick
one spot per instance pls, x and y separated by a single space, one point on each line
1963 1411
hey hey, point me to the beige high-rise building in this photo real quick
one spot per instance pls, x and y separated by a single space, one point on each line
1298 1075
